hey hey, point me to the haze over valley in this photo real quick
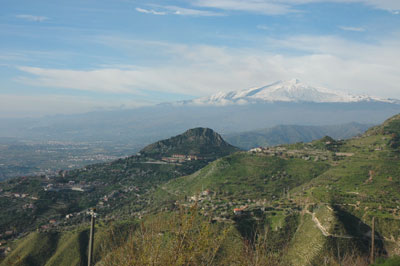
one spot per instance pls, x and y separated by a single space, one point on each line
288 111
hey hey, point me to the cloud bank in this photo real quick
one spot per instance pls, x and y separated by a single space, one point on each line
273 7
201 70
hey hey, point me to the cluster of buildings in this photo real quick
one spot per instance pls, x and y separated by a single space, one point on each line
269 150
180 158
68 186
306 154
206 195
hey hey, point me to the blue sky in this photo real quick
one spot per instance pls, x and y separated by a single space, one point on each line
83 55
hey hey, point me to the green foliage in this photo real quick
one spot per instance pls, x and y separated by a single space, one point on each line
395 261
185 238
181 238
393 128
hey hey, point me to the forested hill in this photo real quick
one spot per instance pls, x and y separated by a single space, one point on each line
203 142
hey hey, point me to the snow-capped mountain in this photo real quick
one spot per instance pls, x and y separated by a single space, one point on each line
284 91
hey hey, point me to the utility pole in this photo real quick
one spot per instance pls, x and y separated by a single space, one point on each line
372 241
91 236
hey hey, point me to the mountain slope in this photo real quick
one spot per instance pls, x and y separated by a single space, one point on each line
285 91
338 185
69 248
241 176
116 188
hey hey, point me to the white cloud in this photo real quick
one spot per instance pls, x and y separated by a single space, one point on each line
273 7
175 10
192 12
357 29
202 70
98 80
151 11
389 5
257 6
32 18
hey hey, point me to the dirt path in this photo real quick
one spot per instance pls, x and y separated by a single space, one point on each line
319 225
323 229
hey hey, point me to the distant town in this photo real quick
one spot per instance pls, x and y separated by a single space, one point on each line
27 158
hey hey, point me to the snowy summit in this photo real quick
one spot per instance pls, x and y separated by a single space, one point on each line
283 91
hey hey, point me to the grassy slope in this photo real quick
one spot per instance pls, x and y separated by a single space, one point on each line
306 244
363 185
366 184
244 175
67 248
71 249
35 249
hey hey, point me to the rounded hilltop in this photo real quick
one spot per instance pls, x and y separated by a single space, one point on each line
199 141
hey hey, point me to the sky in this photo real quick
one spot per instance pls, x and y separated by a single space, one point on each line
63 57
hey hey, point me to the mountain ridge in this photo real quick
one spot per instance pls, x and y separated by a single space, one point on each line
284 91
288 134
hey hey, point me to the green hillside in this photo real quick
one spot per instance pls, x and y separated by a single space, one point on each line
118 188
356 179
246 175
54 248
299 204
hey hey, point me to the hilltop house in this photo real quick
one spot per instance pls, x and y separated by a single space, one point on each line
238 211
206 192
179 156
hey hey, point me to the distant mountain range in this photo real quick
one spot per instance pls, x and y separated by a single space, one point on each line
284 91
281 103
25 158
287 134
